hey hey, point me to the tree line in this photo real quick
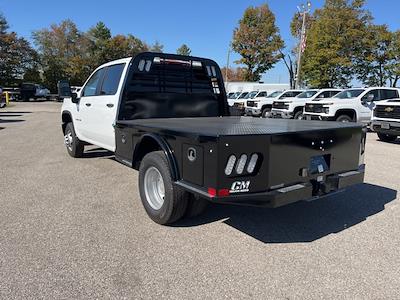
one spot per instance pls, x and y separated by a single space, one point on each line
343 44
63 51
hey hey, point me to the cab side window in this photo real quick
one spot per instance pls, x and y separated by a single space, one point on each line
289 95
111 80
375 93
92 85
389 94
326 94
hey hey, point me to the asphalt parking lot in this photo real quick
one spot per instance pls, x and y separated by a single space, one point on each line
75 228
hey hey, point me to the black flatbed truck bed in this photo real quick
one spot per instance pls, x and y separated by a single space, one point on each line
225 126
290 153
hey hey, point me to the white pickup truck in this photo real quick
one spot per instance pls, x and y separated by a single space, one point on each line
386 120
263 105
292 108
350 105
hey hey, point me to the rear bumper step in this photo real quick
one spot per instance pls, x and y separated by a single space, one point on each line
288 194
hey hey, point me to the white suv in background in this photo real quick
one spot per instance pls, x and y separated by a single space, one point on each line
292 108
350 105
386 120
262 107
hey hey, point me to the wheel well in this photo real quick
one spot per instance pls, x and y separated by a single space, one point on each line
66 118
348 112
298 108
150 143
145 146
266 106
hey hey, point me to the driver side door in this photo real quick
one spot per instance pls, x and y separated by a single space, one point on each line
367 106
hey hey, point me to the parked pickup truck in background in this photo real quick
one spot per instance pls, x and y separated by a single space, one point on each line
386 120
33 91
351 105
240 103
167 116
262 106
292 108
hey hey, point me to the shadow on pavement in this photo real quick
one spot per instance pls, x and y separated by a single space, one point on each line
9 115
396 142
302 221
10 121
15 112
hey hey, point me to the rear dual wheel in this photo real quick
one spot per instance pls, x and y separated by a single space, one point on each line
164 202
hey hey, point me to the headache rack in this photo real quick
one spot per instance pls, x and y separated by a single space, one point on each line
165 85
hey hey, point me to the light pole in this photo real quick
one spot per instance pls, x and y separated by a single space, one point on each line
227 65
305 9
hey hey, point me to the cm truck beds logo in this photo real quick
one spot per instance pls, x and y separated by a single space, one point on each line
240 187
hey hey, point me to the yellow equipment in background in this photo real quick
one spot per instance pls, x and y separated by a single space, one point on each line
6 96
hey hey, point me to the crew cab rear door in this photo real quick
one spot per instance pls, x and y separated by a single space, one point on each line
104 107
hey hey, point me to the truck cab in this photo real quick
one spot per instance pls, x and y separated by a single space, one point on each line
350 105
292 108
386 120
94 110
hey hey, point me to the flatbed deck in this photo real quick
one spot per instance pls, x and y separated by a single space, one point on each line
227 126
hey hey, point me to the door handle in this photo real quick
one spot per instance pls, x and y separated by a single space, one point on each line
88 104
110 105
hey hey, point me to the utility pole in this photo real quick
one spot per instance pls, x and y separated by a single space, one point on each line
227 65
305 9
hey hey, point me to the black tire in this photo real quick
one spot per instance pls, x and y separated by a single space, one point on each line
387 137
175 199
344 118
298 115
265 112
196 206
75 147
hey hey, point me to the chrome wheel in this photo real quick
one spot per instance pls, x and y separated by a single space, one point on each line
68 140
154 188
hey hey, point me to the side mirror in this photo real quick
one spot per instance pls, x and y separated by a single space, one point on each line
74 98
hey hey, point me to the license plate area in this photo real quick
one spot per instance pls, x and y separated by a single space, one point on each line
385 126
320 164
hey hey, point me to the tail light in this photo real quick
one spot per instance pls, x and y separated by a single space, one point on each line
230 165
252 163
241 164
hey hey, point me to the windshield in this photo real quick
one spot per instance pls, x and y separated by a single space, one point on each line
274 94
307 94
251 95
234 95
243 95
348 94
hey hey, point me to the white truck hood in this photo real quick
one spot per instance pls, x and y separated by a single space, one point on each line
392 102
284 100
